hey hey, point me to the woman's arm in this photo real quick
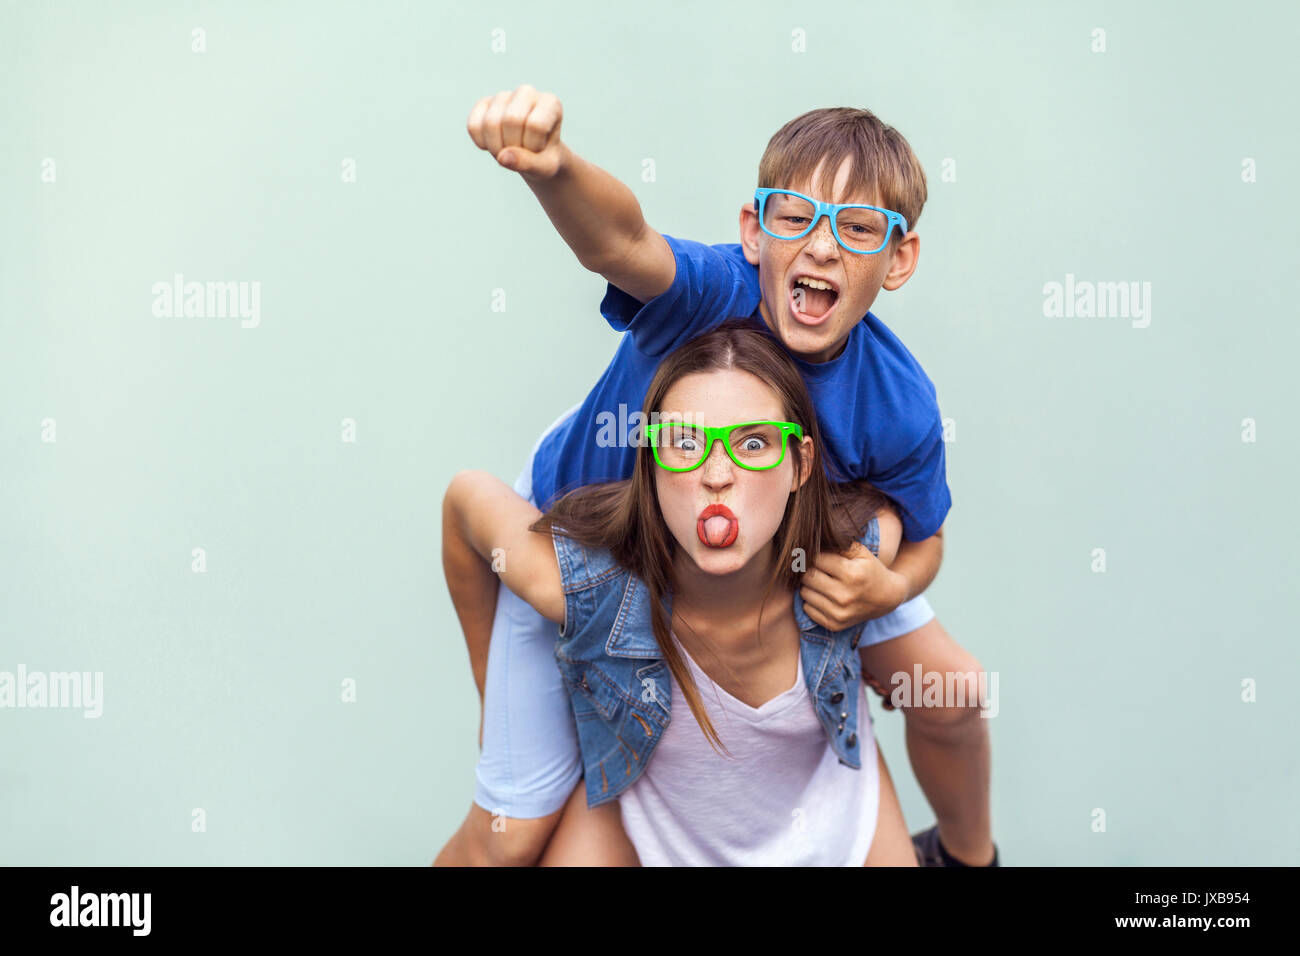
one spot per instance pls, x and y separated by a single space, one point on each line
485 532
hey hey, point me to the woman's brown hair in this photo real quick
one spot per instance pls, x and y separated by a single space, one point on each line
624 516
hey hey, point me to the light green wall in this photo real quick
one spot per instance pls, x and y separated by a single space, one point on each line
1119 690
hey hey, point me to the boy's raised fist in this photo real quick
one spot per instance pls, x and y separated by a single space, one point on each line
521 128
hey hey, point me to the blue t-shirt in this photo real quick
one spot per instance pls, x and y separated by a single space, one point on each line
876 407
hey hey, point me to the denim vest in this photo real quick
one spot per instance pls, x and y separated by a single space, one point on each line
618 683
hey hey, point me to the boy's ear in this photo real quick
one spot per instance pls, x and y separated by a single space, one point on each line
749 231
906 257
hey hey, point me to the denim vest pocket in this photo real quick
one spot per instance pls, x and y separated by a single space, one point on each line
592 685
653 690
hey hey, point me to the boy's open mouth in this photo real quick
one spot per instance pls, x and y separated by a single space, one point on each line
812 299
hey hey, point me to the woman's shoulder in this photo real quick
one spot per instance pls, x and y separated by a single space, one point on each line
584 566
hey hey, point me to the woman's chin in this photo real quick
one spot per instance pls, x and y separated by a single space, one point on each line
719 561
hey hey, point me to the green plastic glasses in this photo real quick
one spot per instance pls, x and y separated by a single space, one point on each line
757 446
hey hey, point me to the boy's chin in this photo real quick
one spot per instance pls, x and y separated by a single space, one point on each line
811 343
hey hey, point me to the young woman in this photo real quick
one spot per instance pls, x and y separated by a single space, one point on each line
683 637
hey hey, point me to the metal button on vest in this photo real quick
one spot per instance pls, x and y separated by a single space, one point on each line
837 697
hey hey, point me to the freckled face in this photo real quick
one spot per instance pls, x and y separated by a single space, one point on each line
857 278
756 499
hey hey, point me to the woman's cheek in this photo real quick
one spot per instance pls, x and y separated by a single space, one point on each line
675 503
766 514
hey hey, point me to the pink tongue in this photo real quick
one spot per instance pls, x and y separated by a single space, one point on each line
716 530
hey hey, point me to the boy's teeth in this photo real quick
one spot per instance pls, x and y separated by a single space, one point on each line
814 283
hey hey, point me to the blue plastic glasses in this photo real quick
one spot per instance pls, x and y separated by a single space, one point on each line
859 228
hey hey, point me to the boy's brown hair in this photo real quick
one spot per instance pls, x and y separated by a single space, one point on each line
882 162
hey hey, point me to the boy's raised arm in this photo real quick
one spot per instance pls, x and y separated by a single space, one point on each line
596 215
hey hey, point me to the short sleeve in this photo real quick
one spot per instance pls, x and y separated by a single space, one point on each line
918 485
711 284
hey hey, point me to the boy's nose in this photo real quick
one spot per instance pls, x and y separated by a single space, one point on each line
822 240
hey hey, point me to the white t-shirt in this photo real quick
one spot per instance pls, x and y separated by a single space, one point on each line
782 798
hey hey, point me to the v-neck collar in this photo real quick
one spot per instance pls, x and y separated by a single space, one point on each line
737 707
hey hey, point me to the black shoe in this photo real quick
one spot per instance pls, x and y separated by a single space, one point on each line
930 852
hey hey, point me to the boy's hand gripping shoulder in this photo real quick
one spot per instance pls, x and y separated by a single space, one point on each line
596 215
841 590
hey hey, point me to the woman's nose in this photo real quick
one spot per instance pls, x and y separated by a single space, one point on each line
718 466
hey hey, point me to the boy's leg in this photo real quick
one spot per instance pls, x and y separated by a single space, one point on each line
530 759
473 844
478 619
948 745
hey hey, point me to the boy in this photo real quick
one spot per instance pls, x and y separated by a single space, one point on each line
811 270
